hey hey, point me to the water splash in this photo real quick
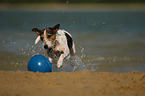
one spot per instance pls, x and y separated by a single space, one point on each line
23 55
76 63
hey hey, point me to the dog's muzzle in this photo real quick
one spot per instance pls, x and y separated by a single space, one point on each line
49 49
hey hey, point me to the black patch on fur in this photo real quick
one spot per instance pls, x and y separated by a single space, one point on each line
69 41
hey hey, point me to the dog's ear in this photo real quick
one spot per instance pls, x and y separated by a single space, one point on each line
37 31
56 27
37 39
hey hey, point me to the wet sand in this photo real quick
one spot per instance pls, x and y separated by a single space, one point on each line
80 83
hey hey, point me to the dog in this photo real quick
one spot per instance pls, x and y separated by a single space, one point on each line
58 43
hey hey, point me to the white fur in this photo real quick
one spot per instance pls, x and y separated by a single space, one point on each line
37 39
45 34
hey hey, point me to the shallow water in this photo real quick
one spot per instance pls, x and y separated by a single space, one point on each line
105 41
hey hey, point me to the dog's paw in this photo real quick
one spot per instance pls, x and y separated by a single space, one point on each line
50 59
59 65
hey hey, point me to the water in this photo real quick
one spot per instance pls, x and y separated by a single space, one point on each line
105 41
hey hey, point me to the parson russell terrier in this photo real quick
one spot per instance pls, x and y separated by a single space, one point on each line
58 43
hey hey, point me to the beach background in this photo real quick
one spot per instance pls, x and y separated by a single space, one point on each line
110 47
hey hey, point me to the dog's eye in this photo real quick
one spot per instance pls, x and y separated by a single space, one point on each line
48 36
41 38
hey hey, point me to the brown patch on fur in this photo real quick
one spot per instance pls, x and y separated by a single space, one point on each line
49 32
52 38
56 27
37 31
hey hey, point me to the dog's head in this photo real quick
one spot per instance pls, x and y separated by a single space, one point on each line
47 36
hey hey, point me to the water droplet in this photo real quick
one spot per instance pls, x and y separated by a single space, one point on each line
74 22
3 41
103 22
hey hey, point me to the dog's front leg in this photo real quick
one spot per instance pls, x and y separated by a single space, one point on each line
50 56
50 59
60 60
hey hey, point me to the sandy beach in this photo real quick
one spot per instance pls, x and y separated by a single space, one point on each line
80 83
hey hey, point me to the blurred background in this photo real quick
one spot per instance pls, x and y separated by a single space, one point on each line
72 1
109 35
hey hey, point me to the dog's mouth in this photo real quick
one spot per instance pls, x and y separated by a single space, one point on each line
50 49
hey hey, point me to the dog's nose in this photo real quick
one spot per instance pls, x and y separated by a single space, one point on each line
45 46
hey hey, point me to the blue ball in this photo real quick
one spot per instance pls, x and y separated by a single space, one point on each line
39 63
